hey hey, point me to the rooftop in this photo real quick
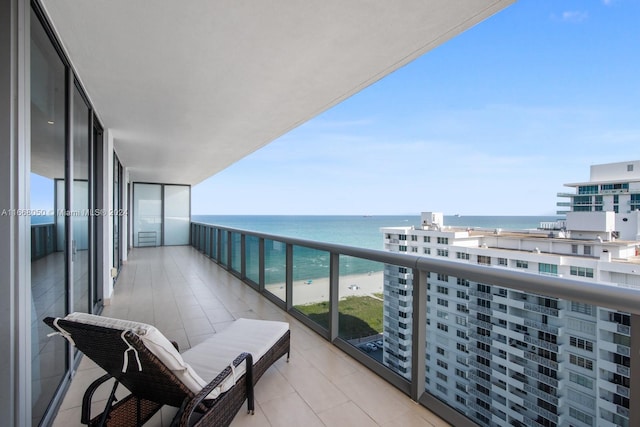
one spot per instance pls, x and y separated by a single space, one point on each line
189 298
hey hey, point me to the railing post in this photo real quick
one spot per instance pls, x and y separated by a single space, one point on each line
334 294
289 276
634 375
419 333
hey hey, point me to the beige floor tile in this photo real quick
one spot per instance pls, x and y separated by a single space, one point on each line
290 410
347 414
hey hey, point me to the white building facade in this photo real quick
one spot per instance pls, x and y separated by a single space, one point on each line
504 357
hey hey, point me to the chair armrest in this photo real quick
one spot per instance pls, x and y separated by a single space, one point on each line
85 417
197 399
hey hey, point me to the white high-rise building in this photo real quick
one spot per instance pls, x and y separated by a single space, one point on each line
504 357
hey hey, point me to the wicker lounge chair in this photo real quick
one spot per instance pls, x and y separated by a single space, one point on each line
208 383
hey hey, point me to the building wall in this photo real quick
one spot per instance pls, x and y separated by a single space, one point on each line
502 356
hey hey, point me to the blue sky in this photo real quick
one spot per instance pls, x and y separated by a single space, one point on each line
493 122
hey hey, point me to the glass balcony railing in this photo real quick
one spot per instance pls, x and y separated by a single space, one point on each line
476 345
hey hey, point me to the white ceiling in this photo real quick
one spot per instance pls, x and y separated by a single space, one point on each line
189 87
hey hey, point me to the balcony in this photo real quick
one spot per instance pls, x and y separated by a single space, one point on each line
190 293
189 298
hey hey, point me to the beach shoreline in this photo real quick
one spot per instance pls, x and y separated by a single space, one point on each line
317 290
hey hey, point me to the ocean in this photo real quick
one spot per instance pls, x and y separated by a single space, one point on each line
352 230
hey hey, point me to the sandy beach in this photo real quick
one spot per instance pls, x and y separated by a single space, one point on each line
318 289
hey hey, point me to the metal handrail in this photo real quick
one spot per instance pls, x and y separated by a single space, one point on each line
599 294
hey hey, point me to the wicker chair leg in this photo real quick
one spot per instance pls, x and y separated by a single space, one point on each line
249 374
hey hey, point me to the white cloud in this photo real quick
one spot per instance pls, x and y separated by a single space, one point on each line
574 16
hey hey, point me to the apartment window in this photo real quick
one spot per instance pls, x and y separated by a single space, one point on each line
502 261
443 302
482 259
623 319
630 168
441 376
443 290
414 249
461 347
440 350
460 320
443 327
442 389
580 361
414 238
579 307
581 380
580 416
581 271
427 251
462 308
443 252
522 264
574 249
548 269
402 281
402 314
443 240
443 314
402 248
462 295
402 270
463 282
427 239
581 343
462 255
587 249
402 237
461 334
442 364
581 398
461 373
484 288
622 340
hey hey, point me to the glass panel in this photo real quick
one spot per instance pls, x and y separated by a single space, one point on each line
48 278
236 252
214 242
311 284
147 215
224 249
252 257
275 272
364 310
177 199
80 217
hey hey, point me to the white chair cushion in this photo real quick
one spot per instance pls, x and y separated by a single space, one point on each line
243 336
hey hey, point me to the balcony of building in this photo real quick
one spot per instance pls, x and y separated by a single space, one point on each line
337 376
189 298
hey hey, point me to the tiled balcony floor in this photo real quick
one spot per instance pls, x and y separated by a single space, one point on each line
189 298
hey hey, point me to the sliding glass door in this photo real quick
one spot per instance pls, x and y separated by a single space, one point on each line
65 138
161 214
